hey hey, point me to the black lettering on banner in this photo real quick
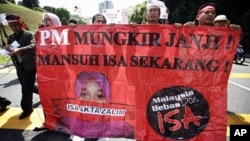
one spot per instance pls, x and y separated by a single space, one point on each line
178 112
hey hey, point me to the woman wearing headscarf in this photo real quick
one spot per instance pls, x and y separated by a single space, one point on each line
50 19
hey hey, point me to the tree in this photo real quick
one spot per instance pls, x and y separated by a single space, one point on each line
50 9
31 3
63 14
80 20
12 1
5 1
138 13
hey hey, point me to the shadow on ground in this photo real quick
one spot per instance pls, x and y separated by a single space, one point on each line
236 119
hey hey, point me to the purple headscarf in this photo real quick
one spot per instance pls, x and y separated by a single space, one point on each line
54 18
100 79
95 129
90 129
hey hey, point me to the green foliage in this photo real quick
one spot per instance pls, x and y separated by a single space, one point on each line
3 1
31 3
30 17
63 14
50 9
80 20
64 21
138 13
4 60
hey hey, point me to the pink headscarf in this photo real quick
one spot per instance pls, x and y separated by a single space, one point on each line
93 129
54 18
99 77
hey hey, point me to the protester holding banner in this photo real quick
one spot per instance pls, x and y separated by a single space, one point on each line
164 11
21 46
51 19
153 14
165 83
221 20
99 19
72 22
206 15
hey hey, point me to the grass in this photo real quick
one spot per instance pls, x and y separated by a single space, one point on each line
30 17
4 60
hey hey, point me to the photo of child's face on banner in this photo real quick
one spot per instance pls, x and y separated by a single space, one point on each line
91 113
92 86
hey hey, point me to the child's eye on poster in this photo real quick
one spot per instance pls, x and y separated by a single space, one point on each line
93 87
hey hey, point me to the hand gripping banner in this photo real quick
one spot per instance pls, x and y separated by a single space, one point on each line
145 82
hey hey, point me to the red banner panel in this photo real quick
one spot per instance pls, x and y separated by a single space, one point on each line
145 82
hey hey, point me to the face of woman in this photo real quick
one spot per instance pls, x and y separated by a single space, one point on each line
91 91
47 21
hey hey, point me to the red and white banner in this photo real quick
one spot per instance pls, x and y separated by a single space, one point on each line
147 82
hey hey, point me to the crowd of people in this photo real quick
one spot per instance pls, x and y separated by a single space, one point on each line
23 56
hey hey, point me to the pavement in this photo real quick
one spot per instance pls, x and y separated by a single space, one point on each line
13 129
247 55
